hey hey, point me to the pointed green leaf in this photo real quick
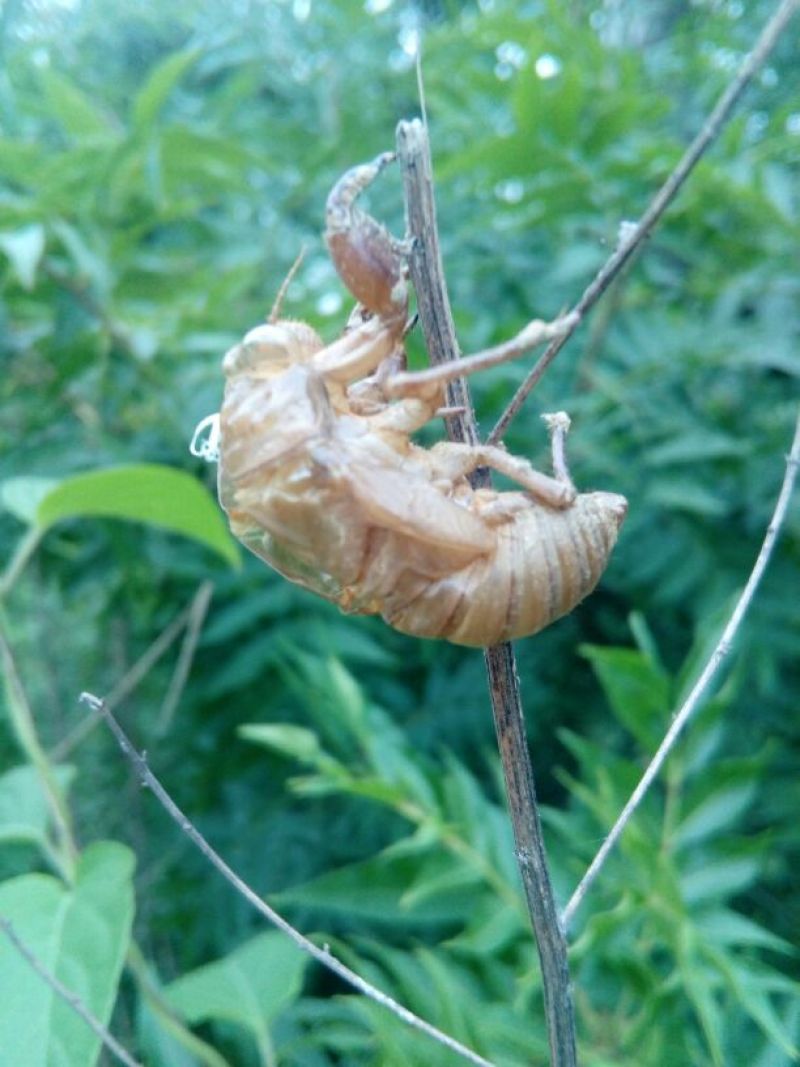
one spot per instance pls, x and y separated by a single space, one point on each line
77 112
24 249
155 91
752 986
699 992
382 889
695 447
81 935
675 494
723 927
720 809
636 688
719 879
251 986
293 741
24 810
149 493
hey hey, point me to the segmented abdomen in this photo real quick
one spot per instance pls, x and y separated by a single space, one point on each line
546 562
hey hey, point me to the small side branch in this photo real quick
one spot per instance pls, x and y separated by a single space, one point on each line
633 235
188 619
197 614
74 1001
436 318
321 955
701 685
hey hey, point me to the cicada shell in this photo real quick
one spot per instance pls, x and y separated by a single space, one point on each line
320 476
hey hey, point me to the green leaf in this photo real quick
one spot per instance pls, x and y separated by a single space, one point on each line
752 986
695 447
165 1041
348 697
89 265
490 930
294 741
250 987
77 112
23 496
723 927
699 991
19 160
636 688
761 1010
24 249
643 636
790 1021
676 495
383 889
149 493
24 810
719 879
714 813
153 95
81 935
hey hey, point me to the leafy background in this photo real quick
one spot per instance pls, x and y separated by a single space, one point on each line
160 168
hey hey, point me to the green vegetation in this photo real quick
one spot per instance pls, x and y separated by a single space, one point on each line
160 168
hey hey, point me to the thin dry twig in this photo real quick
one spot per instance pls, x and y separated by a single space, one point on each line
197 614
140 669
634 234
321 955
427 274
71 998
683 715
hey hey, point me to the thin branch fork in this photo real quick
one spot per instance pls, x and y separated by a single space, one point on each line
427 274
702 684
633 235
321 955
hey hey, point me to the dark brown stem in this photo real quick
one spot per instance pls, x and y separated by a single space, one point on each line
634 234
427 274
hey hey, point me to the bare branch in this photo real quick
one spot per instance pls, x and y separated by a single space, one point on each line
321 955
633 235
436 318
197 613
701 685
138 672
67 995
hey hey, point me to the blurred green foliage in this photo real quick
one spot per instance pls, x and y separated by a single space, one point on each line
160 168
